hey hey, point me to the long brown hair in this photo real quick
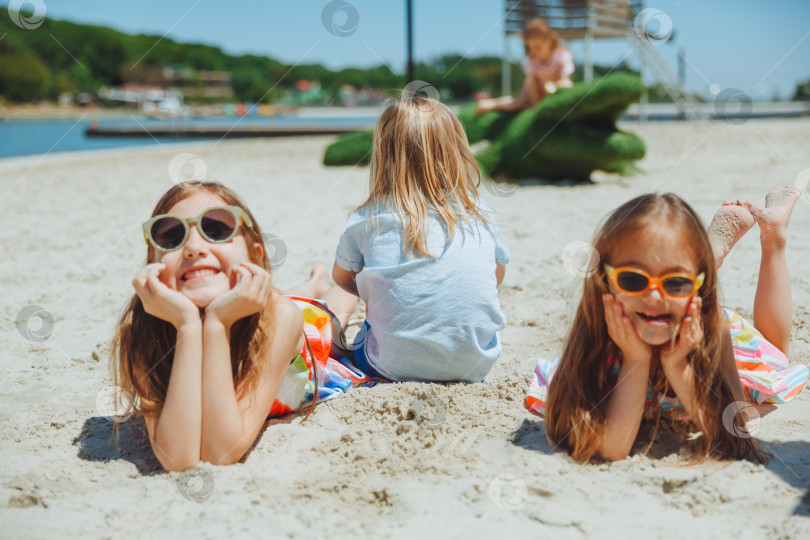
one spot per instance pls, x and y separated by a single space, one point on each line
421 161
579 391
143 346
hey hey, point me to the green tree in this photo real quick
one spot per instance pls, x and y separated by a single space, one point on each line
23 77
249 85
802 91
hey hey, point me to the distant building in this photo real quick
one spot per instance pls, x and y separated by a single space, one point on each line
194 85
147 99
204 85
307 92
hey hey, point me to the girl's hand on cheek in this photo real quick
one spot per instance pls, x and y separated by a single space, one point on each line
622 332
161 301
690 334
248 296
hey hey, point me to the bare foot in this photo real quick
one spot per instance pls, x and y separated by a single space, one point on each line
319 280
730 223
315 287
773 219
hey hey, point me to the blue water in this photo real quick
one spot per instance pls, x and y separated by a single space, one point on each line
26 137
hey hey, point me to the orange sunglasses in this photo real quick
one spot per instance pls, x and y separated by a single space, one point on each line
635 281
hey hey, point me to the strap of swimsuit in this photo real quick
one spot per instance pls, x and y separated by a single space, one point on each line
314 377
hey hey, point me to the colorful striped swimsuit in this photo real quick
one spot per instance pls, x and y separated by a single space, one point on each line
335 377
764 372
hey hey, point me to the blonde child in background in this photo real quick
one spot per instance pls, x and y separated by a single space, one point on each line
550 66
423 254
650 324
205 347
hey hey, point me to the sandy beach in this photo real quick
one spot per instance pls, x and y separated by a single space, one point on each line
394 461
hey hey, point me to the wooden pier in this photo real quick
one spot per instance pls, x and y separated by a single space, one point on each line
235 129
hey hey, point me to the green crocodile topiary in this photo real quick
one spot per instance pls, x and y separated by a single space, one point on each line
350 149
568 135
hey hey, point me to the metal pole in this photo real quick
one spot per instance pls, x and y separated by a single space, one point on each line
409 16
682 79
642 104
506 66
588 55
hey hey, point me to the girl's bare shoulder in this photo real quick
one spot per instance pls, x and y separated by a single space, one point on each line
285 308
289 324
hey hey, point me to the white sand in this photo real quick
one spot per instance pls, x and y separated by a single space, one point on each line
363 466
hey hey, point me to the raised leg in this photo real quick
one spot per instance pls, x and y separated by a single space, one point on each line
730 223
315 287
773 303
341 303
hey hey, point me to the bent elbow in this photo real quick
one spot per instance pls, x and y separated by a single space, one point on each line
614 457
500 273
614 454
175 462
344 284
224 458
229 460
177 465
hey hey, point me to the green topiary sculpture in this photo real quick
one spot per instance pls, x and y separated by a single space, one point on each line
350 149
567 136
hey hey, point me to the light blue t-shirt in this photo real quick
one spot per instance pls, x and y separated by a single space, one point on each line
431 319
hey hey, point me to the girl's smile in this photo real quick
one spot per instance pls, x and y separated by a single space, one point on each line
660 320
198 273
654 316
202 270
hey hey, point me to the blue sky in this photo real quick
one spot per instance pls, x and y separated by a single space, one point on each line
758 47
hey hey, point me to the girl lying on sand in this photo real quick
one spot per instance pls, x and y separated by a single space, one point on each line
423 253
650 324
205 346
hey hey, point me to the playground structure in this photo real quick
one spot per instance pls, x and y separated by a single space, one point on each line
571 132
566 137
604 19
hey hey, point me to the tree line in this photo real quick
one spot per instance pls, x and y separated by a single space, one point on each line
65 57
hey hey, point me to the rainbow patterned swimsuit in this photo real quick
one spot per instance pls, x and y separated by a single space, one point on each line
764 372
335 377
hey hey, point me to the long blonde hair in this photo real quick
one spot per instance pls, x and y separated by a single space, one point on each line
144 344
578 392
421 161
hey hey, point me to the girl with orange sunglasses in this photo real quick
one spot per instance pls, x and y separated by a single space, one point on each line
651 340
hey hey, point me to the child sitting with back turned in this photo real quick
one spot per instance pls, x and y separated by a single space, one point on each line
423 254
